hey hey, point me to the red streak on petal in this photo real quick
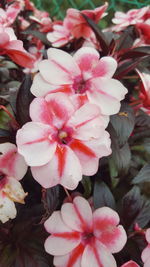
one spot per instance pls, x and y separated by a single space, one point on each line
97 257
64 89
67 235
58 110
76 253
78 145
36 141
83 123
61 154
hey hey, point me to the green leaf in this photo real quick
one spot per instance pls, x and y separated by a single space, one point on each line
102 195
123 123
143 175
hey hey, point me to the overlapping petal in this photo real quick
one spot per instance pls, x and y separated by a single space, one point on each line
35 143
64 168
106 230
130 264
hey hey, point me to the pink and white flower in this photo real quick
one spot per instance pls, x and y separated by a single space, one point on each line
80 238
146 252
12 169
144 96
132 17
77 25
62 143
130 264
83 76
8 17
59 36
12 47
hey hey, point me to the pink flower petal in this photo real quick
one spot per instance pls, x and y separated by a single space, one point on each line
35 143
60 68
86 58
106 230
11 162
88 123
130 264
105 68
40 87
106 93
87 157
147 235
146 253
54 110
96 255
77 215
72 259
64 168
60 242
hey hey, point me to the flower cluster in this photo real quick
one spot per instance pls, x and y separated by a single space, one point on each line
75 112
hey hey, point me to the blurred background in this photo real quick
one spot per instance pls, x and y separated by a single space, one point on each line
57 8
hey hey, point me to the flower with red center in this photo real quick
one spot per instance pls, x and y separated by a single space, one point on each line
83 76
132 17
146 252
12 47
76 23
130 264
12 169
82 239
144 30
62 143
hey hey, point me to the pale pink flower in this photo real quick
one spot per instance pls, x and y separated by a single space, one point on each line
77 25
144 95
8 17
130 264
132 17
83 75
12 169
146 252
12 47
59 36
62 143
80 238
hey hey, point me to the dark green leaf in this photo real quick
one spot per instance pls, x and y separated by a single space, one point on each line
123 123
102 195
52 198
23 101
143 175
99 35
135 209
126 67
39 35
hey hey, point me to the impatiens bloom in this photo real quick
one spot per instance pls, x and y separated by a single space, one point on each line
146 252
144 30
82 239
12 169
62 143
43 19
77 25
59 36
12 47
130 264
84 76
132 17
8 17
144 91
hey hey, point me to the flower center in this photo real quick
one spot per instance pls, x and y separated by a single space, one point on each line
64 135
87 237
79 85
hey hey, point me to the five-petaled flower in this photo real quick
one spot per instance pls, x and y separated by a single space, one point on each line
146 252
80 238
12 169
84 76
62 143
